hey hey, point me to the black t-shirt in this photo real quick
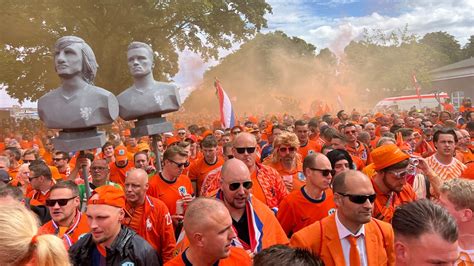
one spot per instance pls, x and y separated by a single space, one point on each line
242 227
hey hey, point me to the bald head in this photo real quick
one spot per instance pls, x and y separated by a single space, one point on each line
246 138
234 170
195 221
349 180
136 185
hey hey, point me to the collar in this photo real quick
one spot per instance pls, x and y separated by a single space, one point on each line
343 232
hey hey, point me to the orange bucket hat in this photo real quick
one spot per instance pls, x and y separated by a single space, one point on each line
387 155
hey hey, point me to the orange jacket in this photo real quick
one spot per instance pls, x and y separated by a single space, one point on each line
237 257
384 205
362 151
322 238
268 179
78 228
157 228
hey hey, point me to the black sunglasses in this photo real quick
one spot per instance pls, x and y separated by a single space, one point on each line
243 149
359 199
185 164
58 159
27 161
325 172
61 202
235 186
33 177
230 156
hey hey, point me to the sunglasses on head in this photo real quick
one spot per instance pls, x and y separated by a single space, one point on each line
287 149
235 186
185 164
242 150
325 172
60 202
359 199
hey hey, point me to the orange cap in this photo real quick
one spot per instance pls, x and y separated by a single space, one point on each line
378 115
387 155
143 147
121 153
108 195
171 140
126 132
206 133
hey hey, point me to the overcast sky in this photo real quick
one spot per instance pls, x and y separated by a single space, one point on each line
335 23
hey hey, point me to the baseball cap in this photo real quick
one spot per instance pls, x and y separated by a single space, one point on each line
121 153
108 195
4 176
387 155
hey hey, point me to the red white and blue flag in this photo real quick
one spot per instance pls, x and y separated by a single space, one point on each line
225 107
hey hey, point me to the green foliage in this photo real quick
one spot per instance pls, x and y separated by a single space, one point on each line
29 30
468 49
444 43
259 74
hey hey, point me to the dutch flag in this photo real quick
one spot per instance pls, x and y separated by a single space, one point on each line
225 107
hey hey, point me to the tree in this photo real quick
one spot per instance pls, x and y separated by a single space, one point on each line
443 43
264 70
30 28
468 49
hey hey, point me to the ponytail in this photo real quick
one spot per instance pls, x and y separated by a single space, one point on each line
20 242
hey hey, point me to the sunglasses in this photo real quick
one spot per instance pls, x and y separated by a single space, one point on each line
325 172
33 177
235 186
243 149
181 133
58 159
230 156
287 149
350 132
185 164
359 199
27 161
60 202
236 132
99 168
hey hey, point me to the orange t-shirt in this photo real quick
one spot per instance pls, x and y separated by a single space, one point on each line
446 171
118 174
237 257
200 168
298 210
310 148
361 151
299 179
469 172
169 192
384 205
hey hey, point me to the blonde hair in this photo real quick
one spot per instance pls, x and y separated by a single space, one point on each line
285 138
18 228
460 192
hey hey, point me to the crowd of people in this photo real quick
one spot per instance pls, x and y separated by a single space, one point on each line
386 188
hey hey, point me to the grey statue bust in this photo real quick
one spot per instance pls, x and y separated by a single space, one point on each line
147 97
77 103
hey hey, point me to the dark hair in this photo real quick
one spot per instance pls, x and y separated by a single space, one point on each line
277 127
209 142
448 131
470 126
285 255
40 168
31 151
140 152
336 155
11 191
67 184
16 152
423 216
339 114
338 135
107 144
64 154
300 123
329 133
348 125
406 132
313 122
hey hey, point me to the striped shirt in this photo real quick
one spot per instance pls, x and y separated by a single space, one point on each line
446 171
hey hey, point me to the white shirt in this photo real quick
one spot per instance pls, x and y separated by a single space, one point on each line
346 246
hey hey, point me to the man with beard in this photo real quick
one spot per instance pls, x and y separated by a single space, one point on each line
443 161
313 201
390 181
68 223
350 236
109 242
148 216
210 236
256 225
